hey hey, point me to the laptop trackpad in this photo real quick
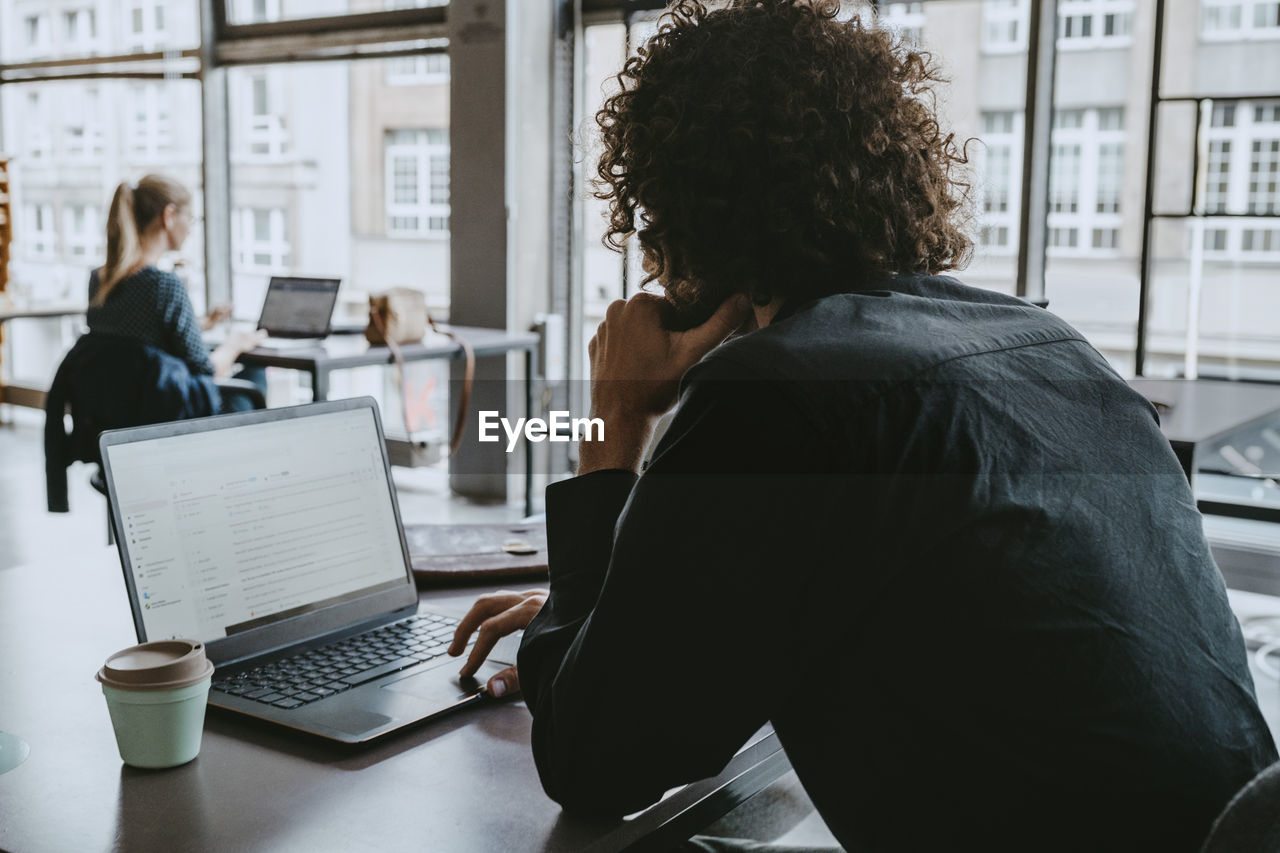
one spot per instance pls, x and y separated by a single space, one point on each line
447 688
356 722
441 687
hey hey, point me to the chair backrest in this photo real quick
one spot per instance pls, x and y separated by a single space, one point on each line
110 382
1251 821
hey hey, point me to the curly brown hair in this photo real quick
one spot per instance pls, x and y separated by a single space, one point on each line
765 147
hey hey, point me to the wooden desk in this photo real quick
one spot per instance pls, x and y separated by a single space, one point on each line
1204 410
466 783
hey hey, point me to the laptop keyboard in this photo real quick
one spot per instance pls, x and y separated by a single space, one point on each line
315 674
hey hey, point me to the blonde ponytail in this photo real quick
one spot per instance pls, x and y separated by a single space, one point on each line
123 251
133 210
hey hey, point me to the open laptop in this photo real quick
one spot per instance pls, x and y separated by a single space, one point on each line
274 537
298 311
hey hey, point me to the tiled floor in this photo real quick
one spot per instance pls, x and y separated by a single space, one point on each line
28 533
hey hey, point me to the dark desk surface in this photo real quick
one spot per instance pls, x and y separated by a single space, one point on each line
341 351
1205 409
465 783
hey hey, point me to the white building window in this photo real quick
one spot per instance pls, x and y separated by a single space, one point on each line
417 182
1094 23
36 38
264 131
83 233
82 130
39 236
1086 181
36 138
146 25
80 29
1082 24
429 70
256 11
1242 176
999 168
1004 26
149 125
1232 20
905 20
260 240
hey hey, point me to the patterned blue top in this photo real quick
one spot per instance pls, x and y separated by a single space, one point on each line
152 306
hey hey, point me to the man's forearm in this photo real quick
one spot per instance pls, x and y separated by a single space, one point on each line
621 446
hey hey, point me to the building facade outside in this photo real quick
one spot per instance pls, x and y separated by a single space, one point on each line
337 168
342 168
1098 166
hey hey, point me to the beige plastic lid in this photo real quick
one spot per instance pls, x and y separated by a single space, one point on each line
162 665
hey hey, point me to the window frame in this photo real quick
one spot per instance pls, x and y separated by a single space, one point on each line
425 156
1234 219
1093 15
1009 144
1090 138
1004 12
249 247
1245 29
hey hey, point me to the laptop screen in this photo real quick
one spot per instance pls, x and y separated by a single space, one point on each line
228 530
299 306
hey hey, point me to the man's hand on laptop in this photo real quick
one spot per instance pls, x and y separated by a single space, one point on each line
636 365
495 616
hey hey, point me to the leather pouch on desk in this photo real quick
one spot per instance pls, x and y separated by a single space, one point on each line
455 554
397 316
400 316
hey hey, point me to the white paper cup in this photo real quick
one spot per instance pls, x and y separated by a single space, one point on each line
156 695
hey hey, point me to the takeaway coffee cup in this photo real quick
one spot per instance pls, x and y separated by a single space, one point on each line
156 694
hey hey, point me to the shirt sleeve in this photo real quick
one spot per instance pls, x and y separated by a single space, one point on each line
181 330
661 646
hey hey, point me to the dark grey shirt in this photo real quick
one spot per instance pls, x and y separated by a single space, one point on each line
152 306
930 535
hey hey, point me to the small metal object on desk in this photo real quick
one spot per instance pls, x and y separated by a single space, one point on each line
518 547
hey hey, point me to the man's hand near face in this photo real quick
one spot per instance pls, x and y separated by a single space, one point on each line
636 365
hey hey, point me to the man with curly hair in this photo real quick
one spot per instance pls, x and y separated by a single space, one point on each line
922 529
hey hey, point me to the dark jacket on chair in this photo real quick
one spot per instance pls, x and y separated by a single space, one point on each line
110 382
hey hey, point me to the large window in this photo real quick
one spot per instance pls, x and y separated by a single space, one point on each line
84 232
149 122
1004 26
1229 20
259 240
417 190
904 19
1000 172
258 118
1086 181
1082 24
41 241
72 142
1094 23
265 11
336 170
432 69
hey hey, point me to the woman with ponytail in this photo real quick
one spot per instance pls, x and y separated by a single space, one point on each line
129 296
